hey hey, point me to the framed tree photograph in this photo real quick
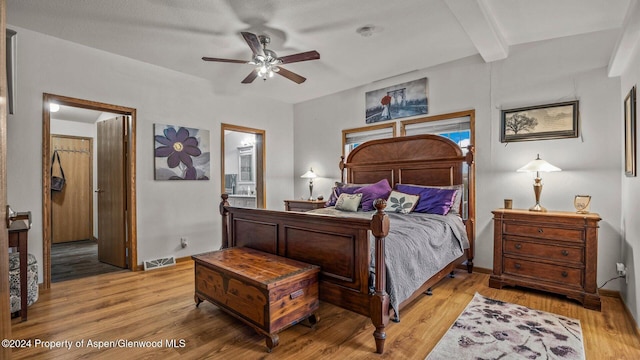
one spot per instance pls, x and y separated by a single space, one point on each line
630 133
541 122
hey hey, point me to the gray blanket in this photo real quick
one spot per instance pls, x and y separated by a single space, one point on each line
417 247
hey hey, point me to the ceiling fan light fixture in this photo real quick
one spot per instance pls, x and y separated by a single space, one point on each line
266 61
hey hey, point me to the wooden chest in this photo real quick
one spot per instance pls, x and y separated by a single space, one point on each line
552 251
267 292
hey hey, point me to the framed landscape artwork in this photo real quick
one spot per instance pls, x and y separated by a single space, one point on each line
398 101
542 122
181 153
630 133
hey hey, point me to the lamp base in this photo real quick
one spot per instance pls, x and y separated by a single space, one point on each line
537 207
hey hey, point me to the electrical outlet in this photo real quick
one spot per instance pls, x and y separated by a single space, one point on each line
183 242
621 269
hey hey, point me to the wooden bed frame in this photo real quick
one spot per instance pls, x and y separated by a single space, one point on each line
340 246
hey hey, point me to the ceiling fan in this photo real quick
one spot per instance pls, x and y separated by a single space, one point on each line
266 61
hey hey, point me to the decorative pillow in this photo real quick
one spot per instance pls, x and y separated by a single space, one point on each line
401 203
379 190
457 199
348 202
432 200
340 188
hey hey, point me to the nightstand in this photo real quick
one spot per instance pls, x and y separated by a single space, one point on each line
552 251
303 205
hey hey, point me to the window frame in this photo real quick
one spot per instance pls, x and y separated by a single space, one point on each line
346 132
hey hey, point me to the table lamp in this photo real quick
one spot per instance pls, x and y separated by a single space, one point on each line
310 175
538 165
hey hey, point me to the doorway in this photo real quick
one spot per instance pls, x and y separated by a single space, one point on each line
119 145
242 165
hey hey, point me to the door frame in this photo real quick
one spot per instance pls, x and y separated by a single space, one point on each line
130 178
261 193
5 308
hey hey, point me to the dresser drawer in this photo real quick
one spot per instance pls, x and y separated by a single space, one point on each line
545 251
544 232
542 271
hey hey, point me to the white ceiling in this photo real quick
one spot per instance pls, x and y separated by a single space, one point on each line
409 34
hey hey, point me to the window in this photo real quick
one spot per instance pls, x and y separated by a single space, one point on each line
351 138
457 127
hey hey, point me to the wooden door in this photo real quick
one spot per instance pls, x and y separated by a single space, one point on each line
5 313
72 208
112 239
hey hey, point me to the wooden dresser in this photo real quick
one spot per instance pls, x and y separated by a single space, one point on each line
267 292
551 251
303 205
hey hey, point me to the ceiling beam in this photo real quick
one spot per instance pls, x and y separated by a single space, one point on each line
627 42
478 22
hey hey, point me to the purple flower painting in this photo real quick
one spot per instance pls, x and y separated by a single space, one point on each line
181 153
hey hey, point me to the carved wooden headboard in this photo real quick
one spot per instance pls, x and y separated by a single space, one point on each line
421 160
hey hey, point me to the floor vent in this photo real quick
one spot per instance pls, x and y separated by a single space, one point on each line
159 263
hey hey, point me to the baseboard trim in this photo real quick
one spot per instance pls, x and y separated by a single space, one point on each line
610 293
183 259
482 270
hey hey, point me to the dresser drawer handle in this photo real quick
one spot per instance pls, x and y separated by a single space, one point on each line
565 253
540 230
517 266
518 246
565 274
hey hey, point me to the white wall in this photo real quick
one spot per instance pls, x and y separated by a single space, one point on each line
630 249
538 73
167 210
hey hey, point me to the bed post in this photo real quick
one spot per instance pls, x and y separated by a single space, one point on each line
341 166
225 221
379 302
471 208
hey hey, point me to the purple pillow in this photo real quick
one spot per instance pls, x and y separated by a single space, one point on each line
379 190
339 189
432 200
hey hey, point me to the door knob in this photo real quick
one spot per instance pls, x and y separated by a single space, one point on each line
99 190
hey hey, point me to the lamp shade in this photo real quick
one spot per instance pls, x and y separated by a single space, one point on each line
538 165
309 175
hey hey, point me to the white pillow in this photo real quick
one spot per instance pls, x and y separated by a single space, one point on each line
401 203
348 202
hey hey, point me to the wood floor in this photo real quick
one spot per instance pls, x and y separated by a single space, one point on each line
158 306
77 259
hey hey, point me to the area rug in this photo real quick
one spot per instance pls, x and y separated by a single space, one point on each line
493 329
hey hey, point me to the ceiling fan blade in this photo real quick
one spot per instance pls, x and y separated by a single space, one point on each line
305 56
254 43
224 60
291 75
252 76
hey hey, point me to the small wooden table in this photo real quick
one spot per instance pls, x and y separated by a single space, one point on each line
265 291
303 205
18 239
